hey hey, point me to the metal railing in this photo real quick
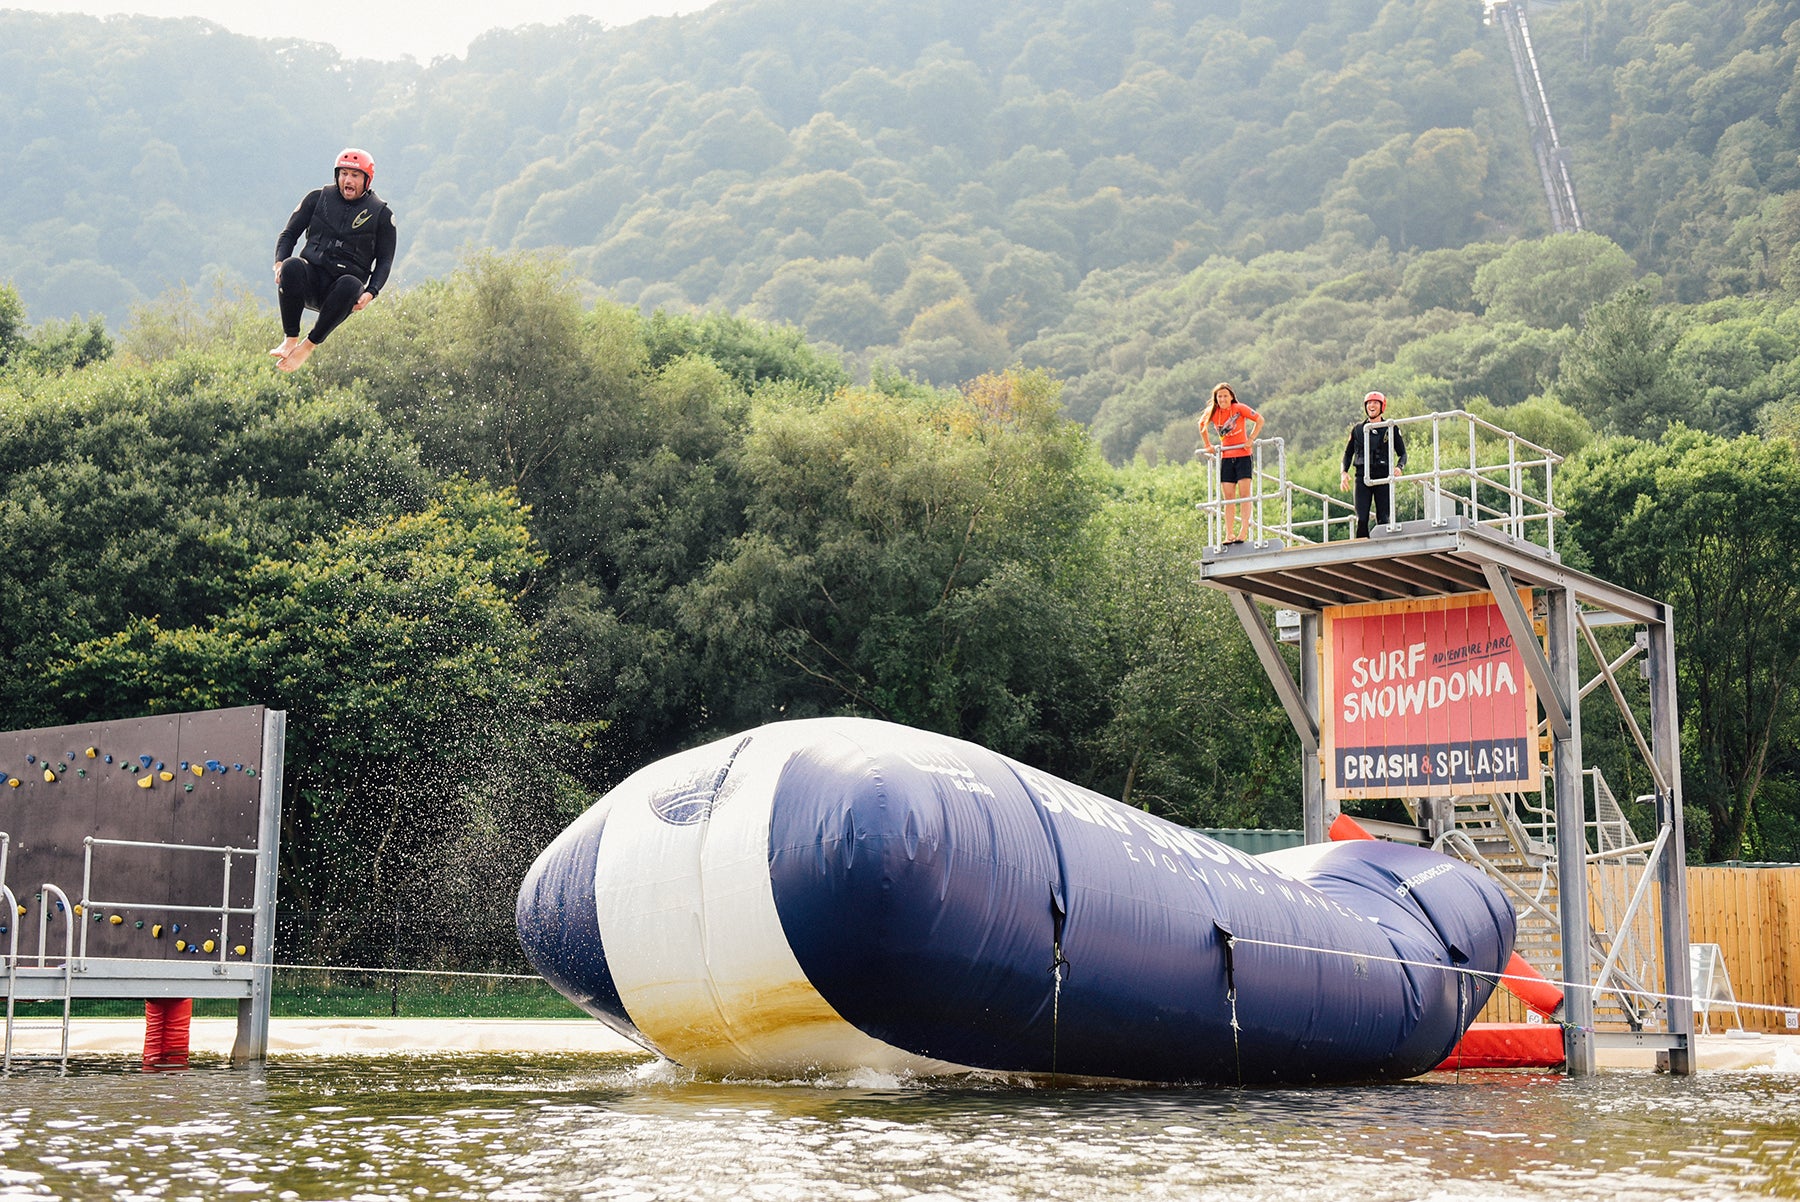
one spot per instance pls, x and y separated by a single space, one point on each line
49 894
224 909
1469 470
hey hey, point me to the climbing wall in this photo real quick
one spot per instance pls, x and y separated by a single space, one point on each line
191 779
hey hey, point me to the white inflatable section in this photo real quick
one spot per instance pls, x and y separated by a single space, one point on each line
691 931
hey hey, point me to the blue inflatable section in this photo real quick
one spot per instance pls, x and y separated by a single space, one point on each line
958 906
559 924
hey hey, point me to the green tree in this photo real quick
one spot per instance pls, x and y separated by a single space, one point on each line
416 716
1709 525
1190 729
12 322
1553 281
1621 373
899 562
132 493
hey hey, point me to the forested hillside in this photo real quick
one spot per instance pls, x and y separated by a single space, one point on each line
1143 196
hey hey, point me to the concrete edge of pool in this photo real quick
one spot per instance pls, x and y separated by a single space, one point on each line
391 1036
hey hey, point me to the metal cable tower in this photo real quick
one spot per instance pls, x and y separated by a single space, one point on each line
1553 166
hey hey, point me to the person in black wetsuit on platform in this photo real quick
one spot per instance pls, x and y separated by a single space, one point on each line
348 253
1386 448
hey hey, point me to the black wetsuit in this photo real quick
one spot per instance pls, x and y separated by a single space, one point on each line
1380 496
349 251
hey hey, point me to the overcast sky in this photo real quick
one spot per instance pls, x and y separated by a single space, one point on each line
425 29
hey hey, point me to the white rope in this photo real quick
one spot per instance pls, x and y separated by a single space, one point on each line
213 959
402 972
1500 977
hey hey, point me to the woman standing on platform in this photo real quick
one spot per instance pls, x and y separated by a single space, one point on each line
1235 425
1385 447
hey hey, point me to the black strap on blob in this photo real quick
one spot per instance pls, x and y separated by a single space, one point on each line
1058 963
1226 940
1458 957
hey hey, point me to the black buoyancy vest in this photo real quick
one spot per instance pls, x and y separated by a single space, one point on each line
341 234
1380 444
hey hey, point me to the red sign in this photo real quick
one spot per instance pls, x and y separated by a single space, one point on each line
1426 698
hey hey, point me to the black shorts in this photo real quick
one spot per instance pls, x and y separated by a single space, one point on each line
1234 468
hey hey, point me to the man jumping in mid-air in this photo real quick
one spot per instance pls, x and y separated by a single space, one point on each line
348 254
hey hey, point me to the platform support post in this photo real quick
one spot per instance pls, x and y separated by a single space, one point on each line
1665 744
1571 838
1317 811
252 1042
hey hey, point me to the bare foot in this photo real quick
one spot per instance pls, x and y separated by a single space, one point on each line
294 358
284 347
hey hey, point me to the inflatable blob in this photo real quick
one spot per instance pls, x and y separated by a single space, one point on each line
838 893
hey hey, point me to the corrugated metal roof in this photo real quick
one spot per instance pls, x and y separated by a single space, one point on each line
1255 842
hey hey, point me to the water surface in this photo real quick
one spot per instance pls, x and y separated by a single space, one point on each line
621 1127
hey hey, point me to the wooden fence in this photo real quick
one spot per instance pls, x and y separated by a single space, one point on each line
1752 914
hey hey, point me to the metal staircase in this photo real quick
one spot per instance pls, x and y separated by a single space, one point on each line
1512 838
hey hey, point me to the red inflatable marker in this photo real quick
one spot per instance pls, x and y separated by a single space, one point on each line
166 1025
1506 1045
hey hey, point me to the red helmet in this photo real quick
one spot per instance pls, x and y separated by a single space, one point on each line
1376 396
356 160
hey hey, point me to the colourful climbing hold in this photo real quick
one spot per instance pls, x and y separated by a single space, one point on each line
117 919
181 945
92 752
77 907
240 949
196 769
208 947
146 760
144 781
81 772
156 931
12 782
249 772
166 775
140 924
49 776
108 759
31 759
189 788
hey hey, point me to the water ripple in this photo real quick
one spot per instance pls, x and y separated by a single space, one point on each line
619 1128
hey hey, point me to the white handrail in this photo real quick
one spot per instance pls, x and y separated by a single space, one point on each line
224 909
12 925
44 924
1508 487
